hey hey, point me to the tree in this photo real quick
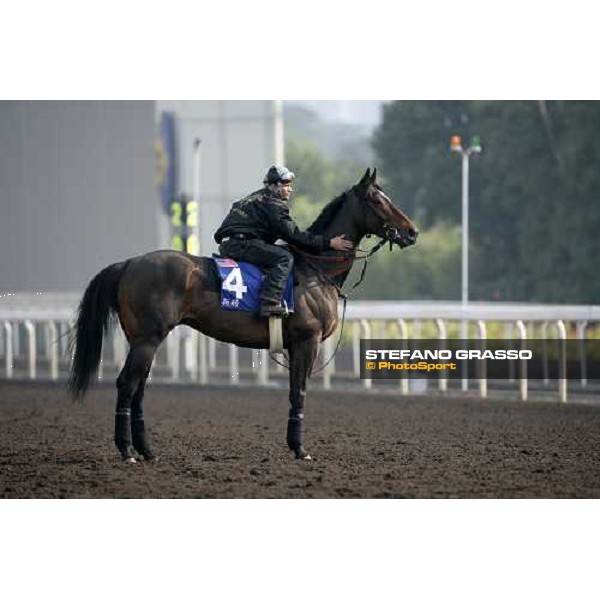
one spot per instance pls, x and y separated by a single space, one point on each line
537 187
411 145
428 271
534 215
318 179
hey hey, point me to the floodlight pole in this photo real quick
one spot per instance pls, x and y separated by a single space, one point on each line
196 193
474 148
465 234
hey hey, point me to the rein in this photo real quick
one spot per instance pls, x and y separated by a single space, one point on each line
363 271
327 276
337 346
338 289
342 259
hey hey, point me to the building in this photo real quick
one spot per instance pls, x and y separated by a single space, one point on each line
77 180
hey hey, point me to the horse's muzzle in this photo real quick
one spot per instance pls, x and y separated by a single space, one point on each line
407 236
404 238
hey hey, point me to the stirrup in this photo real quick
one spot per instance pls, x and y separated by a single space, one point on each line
273 310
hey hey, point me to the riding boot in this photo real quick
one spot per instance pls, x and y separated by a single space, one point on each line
273 285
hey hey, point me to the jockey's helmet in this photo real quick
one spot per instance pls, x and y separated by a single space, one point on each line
278 175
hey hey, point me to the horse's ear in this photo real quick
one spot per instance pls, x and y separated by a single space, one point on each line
366 179
374 175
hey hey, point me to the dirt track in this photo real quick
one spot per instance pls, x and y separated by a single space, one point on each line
223 443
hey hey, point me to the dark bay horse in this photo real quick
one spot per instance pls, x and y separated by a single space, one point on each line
153 293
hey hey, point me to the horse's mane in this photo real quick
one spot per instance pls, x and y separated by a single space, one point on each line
326 215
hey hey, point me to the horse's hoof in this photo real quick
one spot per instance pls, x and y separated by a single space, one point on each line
302 454
129 460
152 458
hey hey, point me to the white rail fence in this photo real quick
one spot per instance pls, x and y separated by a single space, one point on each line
34 343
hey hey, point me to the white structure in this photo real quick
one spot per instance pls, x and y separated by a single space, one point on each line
76 190
77 180
239 141
27 320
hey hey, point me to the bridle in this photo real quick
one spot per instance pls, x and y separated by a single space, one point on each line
391 235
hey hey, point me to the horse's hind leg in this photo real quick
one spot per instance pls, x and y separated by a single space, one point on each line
131 377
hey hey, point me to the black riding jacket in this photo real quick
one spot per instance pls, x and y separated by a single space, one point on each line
263 215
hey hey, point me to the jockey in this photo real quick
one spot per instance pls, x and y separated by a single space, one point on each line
251 228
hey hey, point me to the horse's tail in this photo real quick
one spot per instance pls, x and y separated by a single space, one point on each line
99 302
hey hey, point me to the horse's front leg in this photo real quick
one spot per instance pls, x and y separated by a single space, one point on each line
302 357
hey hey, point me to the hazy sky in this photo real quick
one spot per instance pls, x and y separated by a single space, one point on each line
363 112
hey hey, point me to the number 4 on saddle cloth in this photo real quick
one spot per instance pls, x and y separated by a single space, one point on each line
241 283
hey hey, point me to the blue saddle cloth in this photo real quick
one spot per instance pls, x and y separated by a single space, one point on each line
241 283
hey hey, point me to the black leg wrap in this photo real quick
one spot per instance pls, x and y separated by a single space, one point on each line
295 434
123 433
140 441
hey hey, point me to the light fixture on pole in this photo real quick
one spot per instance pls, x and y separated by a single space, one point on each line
474 148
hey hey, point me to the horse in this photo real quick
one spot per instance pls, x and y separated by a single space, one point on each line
154 293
